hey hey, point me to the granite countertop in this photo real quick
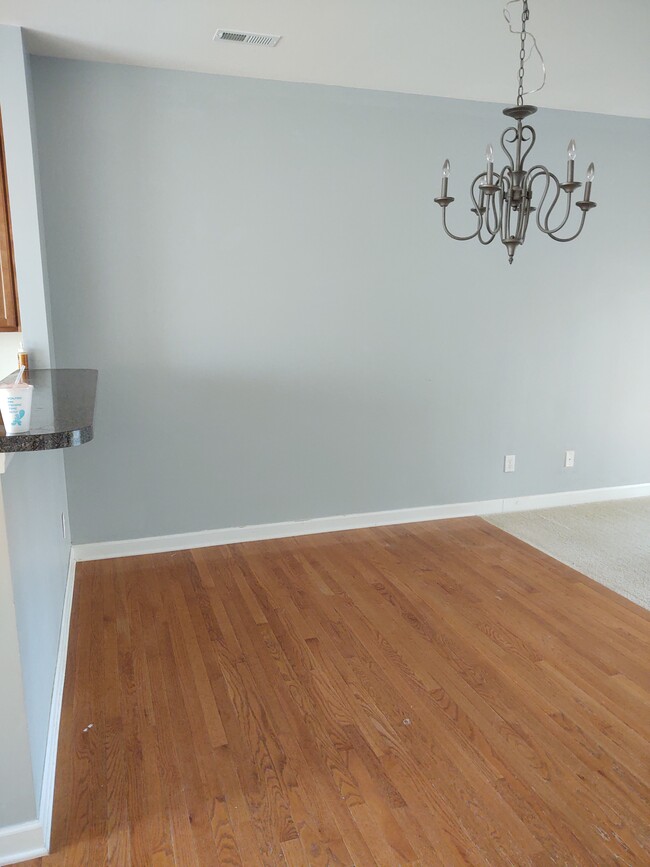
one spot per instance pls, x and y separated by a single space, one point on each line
63 407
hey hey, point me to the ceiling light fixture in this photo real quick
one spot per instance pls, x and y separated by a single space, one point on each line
503 201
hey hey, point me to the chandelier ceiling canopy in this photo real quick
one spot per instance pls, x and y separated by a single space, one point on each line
503 200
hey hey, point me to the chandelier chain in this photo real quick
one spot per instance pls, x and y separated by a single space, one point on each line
525 15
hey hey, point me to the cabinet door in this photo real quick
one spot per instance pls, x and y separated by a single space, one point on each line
8 300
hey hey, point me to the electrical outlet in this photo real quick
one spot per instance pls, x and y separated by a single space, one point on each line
63 527
569 458
509 463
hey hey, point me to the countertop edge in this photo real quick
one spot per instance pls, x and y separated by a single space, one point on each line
41 442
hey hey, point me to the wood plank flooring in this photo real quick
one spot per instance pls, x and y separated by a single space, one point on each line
431 694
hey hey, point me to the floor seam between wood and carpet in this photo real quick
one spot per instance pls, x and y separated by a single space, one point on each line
607 541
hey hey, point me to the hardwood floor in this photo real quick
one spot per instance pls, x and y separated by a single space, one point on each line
432 694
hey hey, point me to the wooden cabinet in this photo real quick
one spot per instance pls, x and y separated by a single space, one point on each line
9 317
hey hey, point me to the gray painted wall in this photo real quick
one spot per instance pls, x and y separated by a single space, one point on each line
270 255
33 488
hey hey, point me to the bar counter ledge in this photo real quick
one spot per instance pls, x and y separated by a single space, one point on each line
63 407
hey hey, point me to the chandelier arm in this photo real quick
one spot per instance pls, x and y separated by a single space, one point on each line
481 208
545 228
541 205
473 188
477 208
564 221
487 241
533 174
572 237
459 237
490 208
567 214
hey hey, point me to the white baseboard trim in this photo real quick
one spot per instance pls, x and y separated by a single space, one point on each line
49 771
259 532
281 530
575 498
21 842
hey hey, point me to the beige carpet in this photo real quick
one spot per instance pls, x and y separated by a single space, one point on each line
609 542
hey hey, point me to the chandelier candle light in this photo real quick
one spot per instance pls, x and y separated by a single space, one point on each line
503 201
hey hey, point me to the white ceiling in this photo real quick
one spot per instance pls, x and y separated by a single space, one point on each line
597 51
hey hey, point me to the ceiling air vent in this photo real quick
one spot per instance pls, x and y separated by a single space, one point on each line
247 38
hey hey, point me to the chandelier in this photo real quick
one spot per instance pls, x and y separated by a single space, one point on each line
503 201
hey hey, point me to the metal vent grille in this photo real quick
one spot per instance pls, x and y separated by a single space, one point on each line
247 38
